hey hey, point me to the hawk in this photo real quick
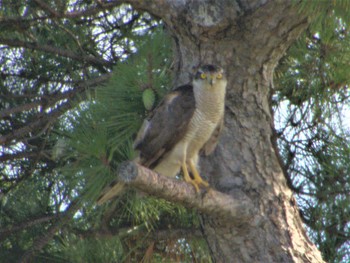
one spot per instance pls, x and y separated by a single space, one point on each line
188 121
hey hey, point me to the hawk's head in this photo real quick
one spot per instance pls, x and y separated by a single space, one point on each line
210 76
209 88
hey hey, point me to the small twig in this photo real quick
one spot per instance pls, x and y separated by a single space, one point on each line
211 202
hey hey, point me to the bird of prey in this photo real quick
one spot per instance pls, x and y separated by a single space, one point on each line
188 121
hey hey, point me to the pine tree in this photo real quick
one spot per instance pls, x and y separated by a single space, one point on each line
311 100
78 78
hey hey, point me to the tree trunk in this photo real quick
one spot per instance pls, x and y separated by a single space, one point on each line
247 38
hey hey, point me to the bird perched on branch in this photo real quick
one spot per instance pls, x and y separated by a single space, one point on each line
187 121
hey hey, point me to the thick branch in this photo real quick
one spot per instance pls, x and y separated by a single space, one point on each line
211 202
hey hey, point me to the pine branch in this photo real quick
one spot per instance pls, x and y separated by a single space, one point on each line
154 6
21 108
32 222
158 235
43 122
47 8
175 234
51 99
97 62
41 241
211 202
90 11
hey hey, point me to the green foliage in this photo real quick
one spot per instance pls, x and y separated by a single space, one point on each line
51 64
99 136
329 213
20 208
111 121
311 99
92 250
323 13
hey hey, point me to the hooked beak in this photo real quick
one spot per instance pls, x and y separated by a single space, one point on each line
211 80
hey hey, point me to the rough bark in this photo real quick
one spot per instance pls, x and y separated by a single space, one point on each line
247 38
209 201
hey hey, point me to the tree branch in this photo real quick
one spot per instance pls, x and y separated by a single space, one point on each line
153 6
57 51
19 155
41 241
93 10
10 230
211 202
50 117
47 8
51 99
41 123
90 11
21 108
158 235
175 234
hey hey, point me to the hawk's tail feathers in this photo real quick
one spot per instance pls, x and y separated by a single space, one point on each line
112 190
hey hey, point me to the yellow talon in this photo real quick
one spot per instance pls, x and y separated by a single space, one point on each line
187 177
197 180
185 172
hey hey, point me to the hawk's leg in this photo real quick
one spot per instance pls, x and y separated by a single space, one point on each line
187 177
197 179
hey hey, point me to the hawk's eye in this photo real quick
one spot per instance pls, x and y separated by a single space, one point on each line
203 76
219 76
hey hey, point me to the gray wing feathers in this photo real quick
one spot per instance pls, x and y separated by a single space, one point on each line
159 133
166 126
